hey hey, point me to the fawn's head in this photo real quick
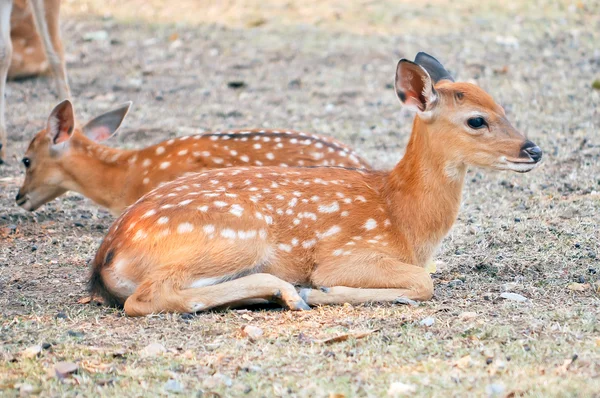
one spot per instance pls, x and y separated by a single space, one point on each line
47 170
465 126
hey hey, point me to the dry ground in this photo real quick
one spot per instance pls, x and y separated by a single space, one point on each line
326 67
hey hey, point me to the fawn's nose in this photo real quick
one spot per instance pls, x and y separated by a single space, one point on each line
529 149
20 198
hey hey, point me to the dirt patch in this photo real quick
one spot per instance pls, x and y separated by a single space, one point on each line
308 69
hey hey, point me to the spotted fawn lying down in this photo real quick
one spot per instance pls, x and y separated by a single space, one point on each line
224 237
64 157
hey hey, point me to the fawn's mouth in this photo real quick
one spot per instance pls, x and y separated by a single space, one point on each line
520 166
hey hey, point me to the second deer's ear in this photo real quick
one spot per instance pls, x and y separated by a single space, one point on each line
414 86
61 122
435 69
106 125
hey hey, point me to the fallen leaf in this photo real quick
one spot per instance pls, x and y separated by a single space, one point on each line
84 300
336 395
347 336
578 287
31 352
173 36
467 316
463 363
64 369
397 388
153 349
252 332
513 297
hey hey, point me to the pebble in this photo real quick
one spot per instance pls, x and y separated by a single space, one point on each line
514 297
429 321
455 283
252 332
398 389
153 349
64 369
494 389
174 386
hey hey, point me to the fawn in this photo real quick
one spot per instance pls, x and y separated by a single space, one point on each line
63 157
222 238
43 15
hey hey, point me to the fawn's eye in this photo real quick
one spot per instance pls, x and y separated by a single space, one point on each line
26 162
476 122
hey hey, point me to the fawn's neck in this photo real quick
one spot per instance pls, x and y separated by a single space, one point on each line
424 193
99 172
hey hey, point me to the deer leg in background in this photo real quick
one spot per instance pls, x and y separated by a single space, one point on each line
45 14
5 55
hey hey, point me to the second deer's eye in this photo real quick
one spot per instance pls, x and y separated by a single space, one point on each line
26 162
476 122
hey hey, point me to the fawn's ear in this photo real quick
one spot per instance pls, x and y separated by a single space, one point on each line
414 86
60 123
435 69
106 125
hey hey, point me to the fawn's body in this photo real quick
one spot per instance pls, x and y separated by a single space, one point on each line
116 178
30 23
224 237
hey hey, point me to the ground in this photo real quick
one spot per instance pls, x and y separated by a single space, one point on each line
324 67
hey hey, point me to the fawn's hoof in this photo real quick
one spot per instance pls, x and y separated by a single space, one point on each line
300 305
405 301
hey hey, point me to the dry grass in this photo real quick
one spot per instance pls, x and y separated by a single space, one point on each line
533 234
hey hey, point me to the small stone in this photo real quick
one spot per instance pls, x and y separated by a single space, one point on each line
514 297
64 369
581 279
405 301
252 332
61 315
429 321
494 389
46 346
174 386
467 316
398 389
455 283
153 349
74 333
31 352
236 84
25 389
99 35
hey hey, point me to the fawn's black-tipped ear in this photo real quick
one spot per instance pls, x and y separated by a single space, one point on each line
61 122
414 86
435 69
106 125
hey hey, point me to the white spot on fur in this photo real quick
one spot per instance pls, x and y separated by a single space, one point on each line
162 220
228 233
185 227
370 224
160 150
309 243
236 210
331 231
149 213
219 203
209 229
164 165
331 208
284 247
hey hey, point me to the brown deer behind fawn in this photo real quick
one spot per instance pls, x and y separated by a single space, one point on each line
29 22
226 237
63 157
